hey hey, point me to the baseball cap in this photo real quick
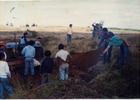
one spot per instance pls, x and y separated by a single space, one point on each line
2 43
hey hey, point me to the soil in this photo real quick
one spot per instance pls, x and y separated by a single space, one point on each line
81 63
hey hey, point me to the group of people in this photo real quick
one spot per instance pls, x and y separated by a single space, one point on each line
62 57
110 40
97 32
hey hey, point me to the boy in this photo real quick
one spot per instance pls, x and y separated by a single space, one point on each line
29 53
63 58
103 39
4 82
46 68
69 34
118 42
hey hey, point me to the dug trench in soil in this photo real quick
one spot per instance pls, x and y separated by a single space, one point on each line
82 62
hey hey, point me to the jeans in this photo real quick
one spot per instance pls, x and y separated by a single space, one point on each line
29 62
109 53
94 35
123 52
69 37
63 70
4 83
46 78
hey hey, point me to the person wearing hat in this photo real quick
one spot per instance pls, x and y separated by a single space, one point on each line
23 42
103 39
2 46
95 30
63 59
29 53
118 42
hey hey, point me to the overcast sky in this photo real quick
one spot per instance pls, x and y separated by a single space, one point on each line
81 13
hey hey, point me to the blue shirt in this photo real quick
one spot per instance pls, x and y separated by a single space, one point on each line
23 40
104 38
28 51
115 41
95 27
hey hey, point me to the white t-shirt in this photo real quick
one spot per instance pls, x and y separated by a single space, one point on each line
4 70
63 54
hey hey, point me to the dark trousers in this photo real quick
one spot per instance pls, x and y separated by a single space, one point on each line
123 52
108 53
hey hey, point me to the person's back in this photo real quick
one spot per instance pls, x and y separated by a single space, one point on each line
63 59
29 53
46 68
46 65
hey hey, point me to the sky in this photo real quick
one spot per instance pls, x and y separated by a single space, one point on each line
80 13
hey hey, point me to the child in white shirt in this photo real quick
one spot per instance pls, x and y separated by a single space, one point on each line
4 82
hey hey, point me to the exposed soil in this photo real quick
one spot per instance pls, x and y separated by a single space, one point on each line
83 61
79 67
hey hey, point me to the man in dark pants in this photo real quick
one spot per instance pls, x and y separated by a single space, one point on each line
103 39
118 42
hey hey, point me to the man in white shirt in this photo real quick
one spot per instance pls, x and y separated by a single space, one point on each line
69 34
4 82
63 59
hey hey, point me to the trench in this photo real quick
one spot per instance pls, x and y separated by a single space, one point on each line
82 66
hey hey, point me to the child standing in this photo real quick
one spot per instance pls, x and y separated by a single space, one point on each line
29 53
63 59
4 82
46 68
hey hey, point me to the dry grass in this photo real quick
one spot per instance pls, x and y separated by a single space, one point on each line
109 82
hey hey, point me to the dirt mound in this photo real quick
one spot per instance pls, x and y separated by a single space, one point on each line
83 61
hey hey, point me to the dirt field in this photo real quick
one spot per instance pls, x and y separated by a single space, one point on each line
83 50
